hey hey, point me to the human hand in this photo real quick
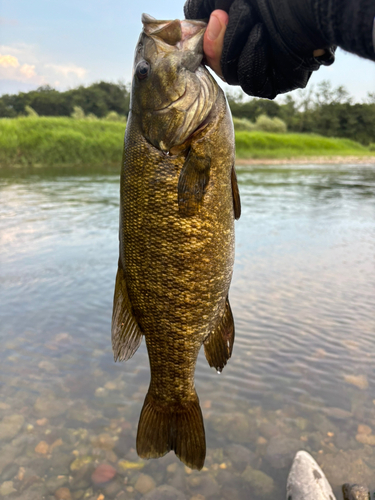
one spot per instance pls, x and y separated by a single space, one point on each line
250 51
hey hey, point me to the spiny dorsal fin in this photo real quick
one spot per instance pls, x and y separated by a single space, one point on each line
219 345
126 335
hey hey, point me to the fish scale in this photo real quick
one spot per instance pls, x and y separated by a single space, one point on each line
176 235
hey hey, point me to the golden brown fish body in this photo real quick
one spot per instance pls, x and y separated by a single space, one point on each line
179 199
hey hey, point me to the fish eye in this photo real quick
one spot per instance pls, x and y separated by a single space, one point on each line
142 70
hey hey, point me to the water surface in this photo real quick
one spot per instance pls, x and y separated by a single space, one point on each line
302 371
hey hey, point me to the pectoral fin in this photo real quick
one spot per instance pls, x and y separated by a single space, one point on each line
126 334
218 346
192 184
236 195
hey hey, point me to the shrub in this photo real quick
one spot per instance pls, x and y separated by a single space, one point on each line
243 124
267 124
78 113
113 116
91 117
30 112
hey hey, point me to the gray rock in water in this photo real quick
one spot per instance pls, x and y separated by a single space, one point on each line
204 485
50 407
306 480
281 450
7 488
164 492
261 484
355 492
9 472
240 456
337 413
54 483
10 426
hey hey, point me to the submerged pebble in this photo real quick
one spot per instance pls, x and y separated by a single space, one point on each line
164 492
127 465
359 381
42 448
366 439
103 473
260 483
9 472
281 451
240 456
79 462
50 407
63 494
355 492
205 485
7 488
144 484
10 426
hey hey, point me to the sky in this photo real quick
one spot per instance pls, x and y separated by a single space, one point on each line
77 42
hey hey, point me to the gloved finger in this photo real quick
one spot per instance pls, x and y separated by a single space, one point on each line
202 9
255 66
241 20
259 71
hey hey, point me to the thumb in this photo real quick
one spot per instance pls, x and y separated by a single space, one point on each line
213 39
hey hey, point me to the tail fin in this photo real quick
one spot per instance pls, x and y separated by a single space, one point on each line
177 427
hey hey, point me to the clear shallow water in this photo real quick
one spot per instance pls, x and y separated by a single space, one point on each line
302 371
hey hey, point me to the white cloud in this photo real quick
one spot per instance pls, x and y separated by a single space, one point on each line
28 70
23 63
11 69
9 61
68 70
23 51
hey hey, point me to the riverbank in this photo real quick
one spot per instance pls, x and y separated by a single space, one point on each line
308 160
60 141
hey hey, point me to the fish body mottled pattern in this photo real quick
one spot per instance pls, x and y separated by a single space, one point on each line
179 199
178 269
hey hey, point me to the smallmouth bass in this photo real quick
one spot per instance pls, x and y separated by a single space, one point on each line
178 202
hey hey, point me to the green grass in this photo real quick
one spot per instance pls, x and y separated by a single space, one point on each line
58 141
268 145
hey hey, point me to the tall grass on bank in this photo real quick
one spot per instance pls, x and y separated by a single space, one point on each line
53 141
269 145
60 141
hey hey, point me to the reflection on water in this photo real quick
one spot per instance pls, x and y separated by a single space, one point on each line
302 371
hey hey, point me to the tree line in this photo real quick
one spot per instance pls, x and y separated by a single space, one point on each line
320 109
98 99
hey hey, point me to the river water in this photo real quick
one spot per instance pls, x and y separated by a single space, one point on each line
302 371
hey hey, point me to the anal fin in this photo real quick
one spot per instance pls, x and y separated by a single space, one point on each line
236 195
126 334
219 345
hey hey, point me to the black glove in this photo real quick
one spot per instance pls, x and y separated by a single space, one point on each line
268 45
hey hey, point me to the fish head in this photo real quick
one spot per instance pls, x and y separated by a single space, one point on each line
172 92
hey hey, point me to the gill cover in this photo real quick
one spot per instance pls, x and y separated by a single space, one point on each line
172 92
